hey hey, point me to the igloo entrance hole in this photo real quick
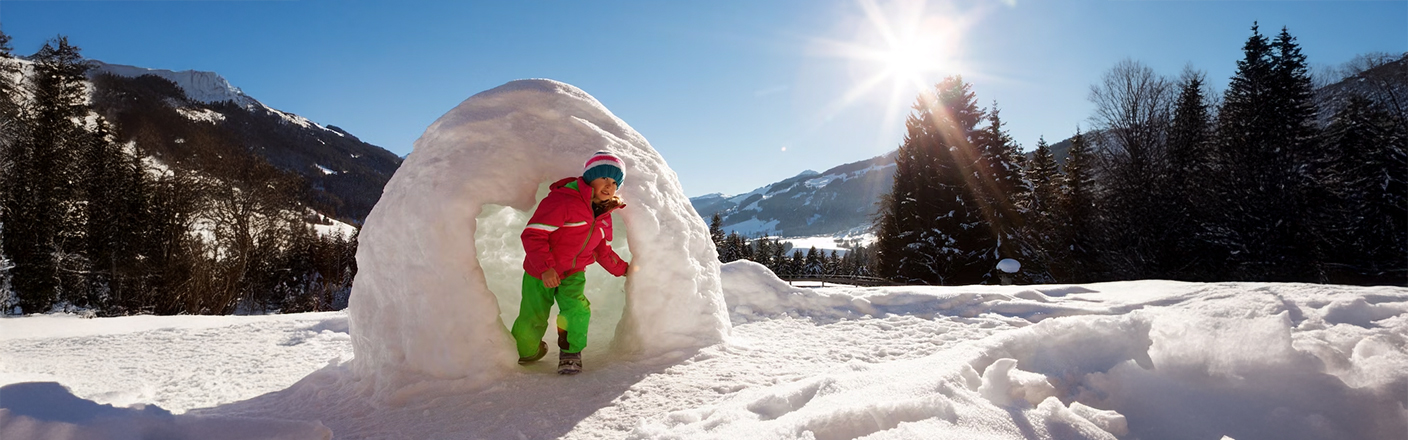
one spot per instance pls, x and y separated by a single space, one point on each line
500 254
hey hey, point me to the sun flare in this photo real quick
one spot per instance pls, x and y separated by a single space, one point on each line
905 46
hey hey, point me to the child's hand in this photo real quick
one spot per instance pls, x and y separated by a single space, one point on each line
550 279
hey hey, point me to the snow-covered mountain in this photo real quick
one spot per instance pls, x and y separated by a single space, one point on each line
206 87
839 201
191 116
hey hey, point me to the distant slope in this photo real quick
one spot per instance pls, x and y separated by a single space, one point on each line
1386 84
188 117
839 201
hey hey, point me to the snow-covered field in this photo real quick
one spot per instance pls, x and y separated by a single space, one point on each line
1146 360
686 348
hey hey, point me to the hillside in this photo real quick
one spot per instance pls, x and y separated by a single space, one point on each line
195 119
1385 83
838 201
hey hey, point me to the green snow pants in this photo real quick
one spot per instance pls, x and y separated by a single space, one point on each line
573 314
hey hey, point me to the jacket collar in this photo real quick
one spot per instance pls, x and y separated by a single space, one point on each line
576 187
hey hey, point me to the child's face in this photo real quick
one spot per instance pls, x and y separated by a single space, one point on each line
603 188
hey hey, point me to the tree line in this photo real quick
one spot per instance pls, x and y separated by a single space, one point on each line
88 221
787 262
1171 182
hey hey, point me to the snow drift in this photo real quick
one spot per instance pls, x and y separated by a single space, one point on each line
440 260
1145 359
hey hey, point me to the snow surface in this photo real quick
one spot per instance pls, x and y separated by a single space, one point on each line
687 348
440 261
1144 359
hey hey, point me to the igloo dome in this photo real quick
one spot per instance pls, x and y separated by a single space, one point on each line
440 261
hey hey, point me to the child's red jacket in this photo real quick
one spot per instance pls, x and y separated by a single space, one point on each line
564 234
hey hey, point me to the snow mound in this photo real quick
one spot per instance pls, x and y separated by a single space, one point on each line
439 256
1228 360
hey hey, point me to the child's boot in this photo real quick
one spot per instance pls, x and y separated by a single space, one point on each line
542 351
569 363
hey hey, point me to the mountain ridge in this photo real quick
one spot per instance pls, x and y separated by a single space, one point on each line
183 118
838 201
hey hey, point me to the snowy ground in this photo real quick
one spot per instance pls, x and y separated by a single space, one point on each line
1146 360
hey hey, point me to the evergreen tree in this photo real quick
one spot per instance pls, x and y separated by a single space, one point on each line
1262 135
1077 252
1002 192
716 233
43 231
796 266
7 294
812 265
1366 170
1190 164
106 242
777 260
1042 206
929 225
732 249
832 264
10 133
763 251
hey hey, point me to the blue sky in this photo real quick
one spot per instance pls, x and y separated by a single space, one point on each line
734 94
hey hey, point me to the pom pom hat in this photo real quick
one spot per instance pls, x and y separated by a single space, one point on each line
603 164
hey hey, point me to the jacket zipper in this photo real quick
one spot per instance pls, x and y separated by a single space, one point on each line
589 234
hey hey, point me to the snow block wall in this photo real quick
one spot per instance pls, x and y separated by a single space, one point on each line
427 301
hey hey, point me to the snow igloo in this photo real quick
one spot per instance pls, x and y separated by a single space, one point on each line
440 260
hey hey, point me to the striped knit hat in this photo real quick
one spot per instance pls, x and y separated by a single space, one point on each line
603 164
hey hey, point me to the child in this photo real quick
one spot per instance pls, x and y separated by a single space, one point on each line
570 230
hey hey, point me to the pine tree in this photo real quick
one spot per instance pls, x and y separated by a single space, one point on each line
7 294
716 233
103 189
1366 170
1297 111
732 249
832 264
11 131
1041 226
929 225
762 249
796 266
1190 165
39 189
779 259
1262 131
1078 216
812 264
1002 192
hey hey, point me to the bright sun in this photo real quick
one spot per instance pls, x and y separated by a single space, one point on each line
907 45
909 59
